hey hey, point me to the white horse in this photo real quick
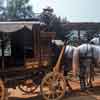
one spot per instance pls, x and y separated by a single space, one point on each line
95 41
69 49
66 62
87 53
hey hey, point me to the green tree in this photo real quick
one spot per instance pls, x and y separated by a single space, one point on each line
1 3
2 10
18 9
54 23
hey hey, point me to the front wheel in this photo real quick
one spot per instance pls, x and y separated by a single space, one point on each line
53 86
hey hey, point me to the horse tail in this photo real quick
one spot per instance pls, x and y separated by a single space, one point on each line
75 61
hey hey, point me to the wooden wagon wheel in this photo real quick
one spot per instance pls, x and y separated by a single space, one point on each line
28 86
53 86
3 91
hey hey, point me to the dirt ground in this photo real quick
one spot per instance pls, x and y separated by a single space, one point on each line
92 94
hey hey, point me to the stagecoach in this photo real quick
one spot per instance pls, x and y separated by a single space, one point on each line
24 55
25 60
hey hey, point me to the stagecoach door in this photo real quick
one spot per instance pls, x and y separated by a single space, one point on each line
5 50
1 51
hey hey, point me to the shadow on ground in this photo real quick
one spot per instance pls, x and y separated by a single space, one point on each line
66 97
96 90
76 95
32 98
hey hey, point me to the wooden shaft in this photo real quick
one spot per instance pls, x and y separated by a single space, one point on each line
59 58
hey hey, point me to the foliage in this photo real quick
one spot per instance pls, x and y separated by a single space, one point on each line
16 9
54 23
19 9
1 3
2 10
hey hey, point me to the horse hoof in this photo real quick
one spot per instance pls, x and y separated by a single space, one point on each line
90 86
83 89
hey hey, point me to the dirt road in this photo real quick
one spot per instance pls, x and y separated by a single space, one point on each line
93 94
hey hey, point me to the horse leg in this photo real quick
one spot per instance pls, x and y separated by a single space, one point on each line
82 84
91 77
82 77
90 85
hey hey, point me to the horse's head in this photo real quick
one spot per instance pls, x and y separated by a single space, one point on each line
95 41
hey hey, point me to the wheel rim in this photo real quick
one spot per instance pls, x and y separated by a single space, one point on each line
28 87
53 86
2 90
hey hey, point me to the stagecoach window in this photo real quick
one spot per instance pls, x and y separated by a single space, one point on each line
7 45
5 40
7 50
22 42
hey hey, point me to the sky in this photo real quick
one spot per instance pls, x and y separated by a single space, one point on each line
73 10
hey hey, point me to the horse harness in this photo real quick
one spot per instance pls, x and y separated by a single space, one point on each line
90 60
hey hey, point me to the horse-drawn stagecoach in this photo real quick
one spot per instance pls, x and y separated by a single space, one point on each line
24 55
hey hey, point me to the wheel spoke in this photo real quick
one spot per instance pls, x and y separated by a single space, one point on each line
32 88
25 87
58 93
50 79
28 89
48 96
54 77
47 93
53 95
47 83
61 82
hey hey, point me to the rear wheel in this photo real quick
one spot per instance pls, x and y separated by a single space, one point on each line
28 86
3 91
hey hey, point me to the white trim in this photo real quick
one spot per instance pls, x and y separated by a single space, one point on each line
14 26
